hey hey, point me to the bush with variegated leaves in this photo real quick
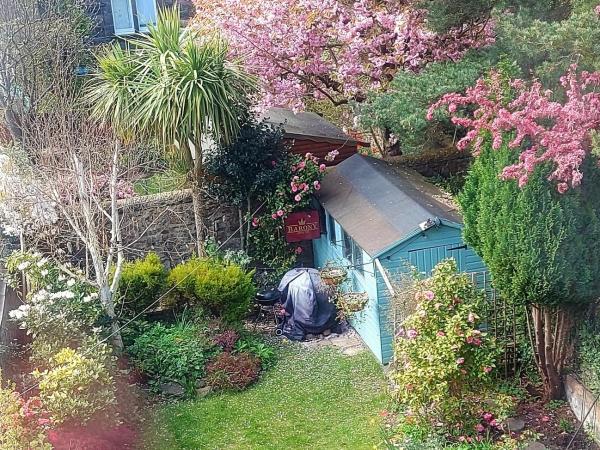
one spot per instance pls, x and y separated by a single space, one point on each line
444 359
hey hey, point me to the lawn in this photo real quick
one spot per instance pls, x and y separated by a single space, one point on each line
317 399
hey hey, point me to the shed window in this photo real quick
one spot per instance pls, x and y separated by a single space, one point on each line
352 252
331 229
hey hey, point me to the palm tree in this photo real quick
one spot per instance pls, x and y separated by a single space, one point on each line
175 85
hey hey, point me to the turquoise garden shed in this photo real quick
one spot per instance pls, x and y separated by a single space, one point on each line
379 221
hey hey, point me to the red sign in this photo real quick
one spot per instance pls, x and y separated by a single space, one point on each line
302 225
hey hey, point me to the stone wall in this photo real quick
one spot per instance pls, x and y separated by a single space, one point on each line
164 223
582 402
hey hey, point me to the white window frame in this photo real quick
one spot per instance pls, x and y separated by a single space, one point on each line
145 29
123 31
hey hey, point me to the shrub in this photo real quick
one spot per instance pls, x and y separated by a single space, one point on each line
60 310
173 353
77 385
143 281
226 340
254 346
22 422
233 371
589 356
443 357
224 289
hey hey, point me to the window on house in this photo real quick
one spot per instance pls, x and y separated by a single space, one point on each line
146 13
122 11
122 16
331 229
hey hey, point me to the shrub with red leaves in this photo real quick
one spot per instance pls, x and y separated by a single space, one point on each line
229 371
226 340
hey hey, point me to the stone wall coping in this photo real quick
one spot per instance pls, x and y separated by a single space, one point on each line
163 198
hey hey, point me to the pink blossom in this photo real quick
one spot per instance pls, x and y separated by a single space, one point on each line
493 423
274 163
487 369
429 295
298 250
460 360
542 129
255 222
441 333
488 416
301 165
42 422
280 212
597 10
316 185
287 44
471 317
274 215
298 197
322 168
411 334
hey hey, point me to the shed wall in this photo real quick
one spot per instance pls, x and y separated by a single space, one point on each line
320 149
422 251
366 323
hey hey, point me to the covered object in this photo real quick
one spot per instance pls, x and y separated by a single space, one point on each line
306 303
380 220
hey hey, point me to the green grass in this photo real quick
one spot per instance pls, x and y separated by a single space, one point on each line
312 399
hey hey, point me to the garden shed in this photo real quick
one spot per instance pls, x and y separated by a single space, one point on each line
380 220
308 132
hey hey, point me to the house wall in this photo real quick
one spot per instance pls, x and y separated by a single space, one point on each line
366 323
422 251
100 12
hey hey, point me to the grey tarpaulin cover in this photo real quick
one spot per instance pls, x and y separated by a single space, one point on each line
307 306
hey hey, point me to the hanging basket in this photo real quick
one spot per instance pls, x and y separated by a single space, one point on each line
352 302
333 276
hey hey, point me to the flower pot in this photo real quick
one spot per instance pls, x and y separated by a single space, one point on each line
333 276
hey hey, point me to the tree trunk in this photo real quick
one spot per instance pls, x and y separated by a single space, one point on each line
552 328
198 202
241 225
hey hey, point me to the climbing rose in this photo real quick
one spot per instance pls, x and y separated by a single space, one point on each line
429 295
298 197
460 361
411 334
542 129
479 428
280 213
487 369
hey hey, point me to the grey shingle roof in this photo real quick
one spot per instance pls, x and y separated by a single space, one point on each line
306 125
378 204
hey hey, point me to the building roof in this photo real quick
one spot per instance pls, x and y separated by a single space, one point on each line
307 125
380 205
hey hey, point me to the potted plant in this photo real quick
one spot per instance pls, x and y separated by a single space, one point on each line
352 302
333 275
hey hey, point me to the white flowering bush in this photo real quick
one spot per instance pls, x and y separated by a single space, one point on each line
60 310
23 207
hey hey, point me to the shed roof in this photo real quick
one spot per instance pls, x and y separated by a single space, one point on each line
380 205
307 125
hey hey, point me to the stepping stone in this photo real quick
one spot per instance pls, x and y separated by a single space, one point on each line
327 332
514 424
173 389
351 351
536 446
204 391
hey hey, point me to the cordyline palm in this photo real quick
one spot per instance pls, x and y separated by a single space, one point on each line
176 86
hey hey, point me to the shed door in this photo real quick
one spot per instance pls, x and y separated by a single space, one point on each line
425 259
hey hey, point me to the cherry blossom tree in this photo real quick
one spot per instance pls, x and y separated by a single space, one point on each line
541 127
332 49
